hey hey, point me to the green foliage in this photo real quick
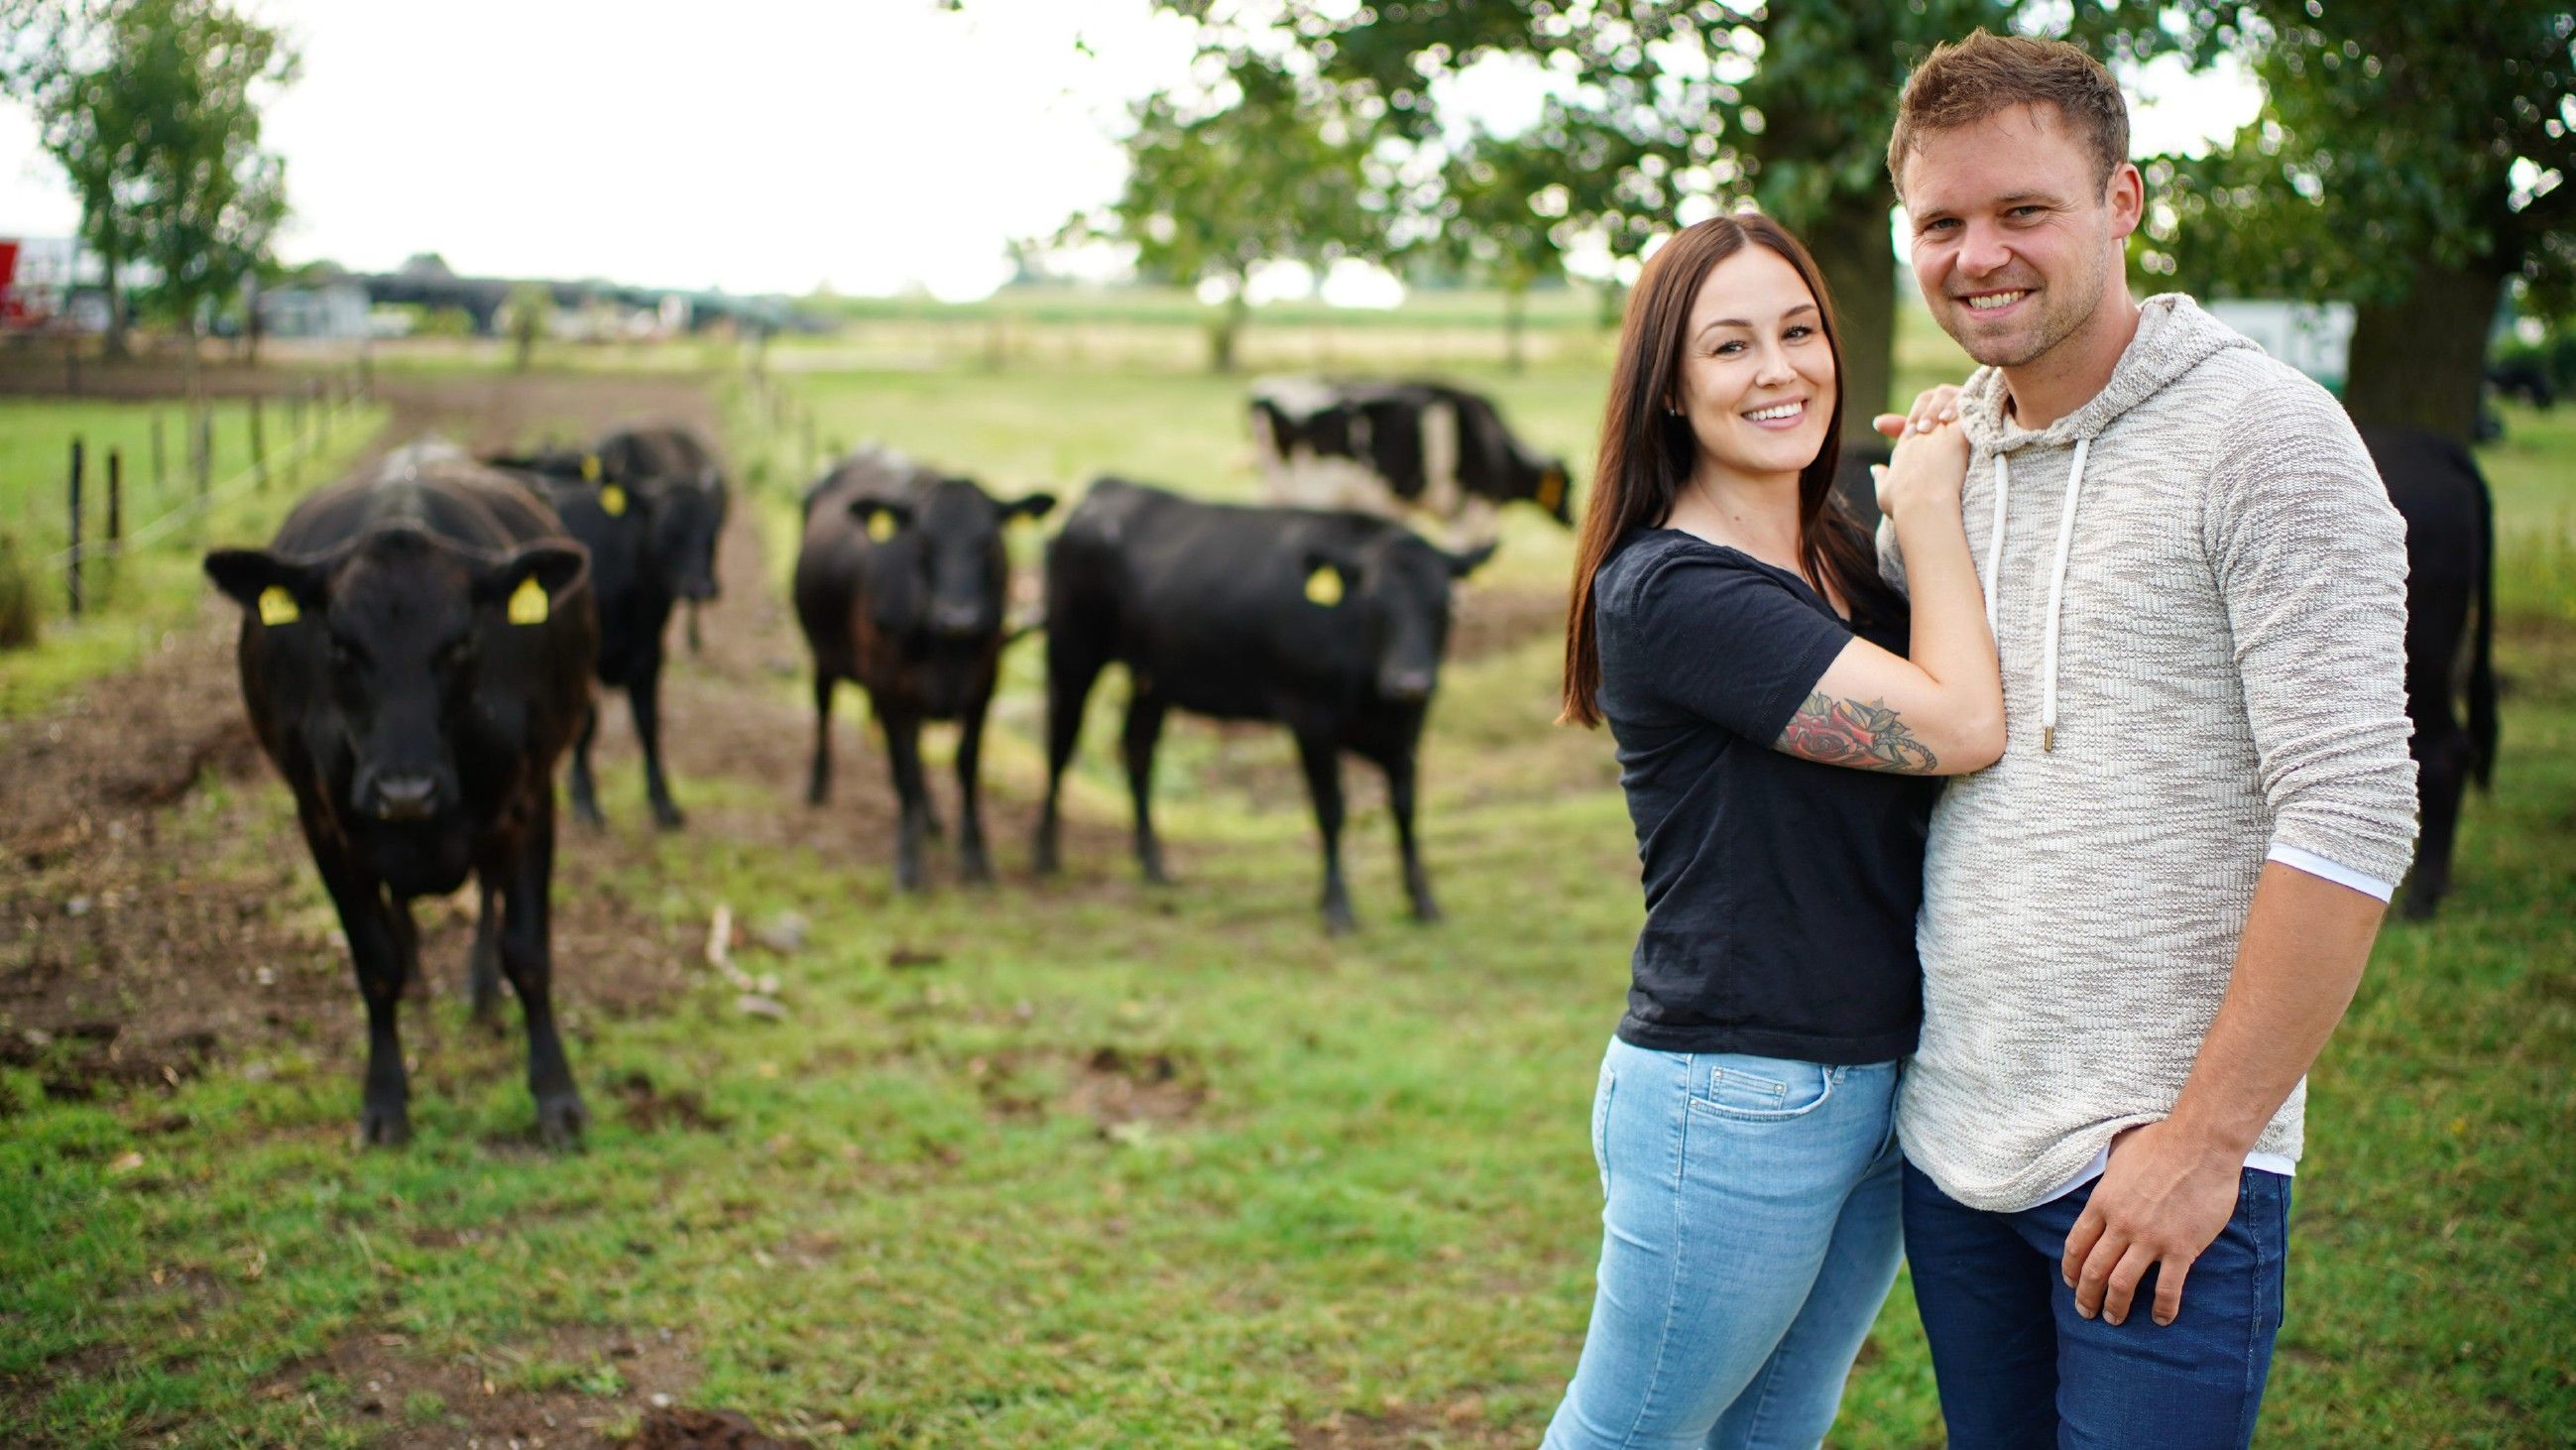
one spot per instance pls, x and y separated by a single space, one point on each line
150 108
2394 135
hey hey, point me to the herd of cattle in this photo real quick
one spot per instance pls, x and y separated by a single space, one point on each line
419 646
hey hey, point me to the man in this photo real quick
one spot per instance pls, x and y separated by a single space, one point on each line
2140 925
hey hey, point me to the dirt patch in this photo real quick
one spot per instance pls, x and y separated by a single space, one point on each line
1461 1422
685 1429
580 1386
1114 1087
1489 619
644 1106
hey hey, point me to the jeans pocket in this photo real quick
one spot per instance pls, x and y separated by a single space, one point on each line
1759 1089
1601 1124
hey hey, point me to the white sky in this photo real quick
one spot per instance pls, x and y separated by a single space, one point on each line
871 144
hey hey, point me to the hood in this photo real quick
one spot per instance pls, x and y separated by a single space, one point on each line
2174 336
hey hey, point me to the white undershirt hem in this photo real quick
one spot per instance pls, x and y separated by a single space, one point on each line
2318 866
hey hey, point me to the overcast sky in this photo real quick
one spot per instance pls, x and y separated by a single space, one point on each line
874 146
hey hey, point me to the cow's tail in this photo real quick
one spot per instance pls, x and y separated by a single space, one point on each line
2482 685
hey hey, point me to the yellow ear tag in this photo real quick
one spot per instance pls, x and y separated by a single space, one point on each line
1551 491
1324 586
528 602
613 499
590 468
880 526
276 606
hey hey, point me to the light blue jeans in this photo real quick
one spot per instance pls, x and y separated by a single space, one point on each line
1750 1233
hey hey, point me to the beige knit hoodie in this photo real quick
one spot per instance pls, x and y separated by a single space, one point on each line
2198 591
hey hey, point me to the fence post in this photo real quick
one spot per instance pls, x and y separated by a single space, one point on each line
205 452
160 460
115 498
74 562
258 446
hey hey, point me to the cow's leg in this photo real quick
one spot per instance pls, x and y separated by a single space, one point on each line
1477 524
375 951
645 698
1070 675
527 954
2441 778
483 967
903 754
1399 767
971 855
1145 711
585 794
1321 755
818 782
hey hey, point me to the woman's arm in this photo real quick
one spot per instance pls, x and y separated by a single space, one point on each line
1940 712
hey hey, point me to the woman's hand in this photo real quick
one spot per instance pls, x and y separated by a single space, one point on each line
1926 471
1937 404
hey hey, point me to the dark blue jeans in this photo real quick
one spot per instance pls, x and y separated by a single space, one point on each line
2019 1369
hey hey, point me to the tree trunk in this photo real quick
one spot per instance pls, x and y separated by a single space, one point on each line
1227 330
1851 249
1515 327
115 342
2420 362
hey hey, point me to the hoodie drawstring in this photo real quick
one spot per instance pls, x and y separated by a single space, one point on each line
1995 548
2056 596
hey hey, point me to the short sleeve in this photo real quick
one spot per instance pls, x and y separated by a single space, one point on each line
1731 643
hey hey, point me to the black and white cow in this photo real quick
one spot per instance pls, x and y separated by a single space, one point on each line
1384 448
901 587
1331 623
416 653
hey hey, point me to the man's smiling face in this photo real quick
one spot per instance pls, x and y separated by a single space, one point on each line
2014 240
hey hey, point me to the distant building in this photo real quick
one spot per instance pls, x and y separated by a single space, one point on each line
325 303
2314 337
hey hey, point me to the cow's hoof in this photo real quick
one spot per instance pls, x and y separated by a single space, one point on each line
1338 921
588 814
816 793
908 880
384 1127
977 869
560 1120
1045 862
668 816
1427 912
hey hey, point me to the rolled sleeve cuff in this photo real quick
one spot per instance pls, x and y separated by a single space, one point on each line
2340 875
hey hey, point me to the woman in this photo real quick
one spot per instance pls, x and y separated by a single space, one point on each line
1774 729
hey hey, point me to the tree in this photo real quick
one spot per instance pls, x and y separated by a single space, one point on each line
150 107
1788 104
2411 159
1211 192
1502 215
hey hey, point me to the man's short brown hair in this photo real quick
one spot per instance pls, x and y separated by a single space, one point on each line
1963 83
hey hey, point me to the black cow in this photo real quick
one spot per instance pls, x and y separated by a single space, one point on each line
649 504
1382 447
900 587
416 652
2523 379
2450 613
1330 623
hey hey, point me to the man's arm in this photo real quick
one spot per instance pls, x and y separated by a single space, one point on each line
2311 563
2172 1186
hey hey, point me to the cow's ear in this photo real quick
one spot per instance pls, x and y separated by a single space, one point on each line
881 517
281 590
529 580
1462 565
1034 506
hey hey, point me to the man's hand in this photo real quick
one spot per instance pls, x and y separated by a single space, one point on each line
2164 1199
1932 406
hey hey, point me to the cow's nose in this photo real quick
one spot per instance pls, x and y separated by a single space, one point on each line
1407 685
404 797
955 619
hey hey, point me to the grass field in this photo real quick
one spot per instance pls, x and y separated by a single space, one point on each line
1083 1163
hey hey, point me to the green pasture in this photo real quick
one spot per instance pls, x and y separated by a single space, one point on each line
134 598
1086 1163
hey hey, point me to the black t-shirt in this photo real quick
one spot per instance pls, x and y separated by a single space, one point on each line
1780 893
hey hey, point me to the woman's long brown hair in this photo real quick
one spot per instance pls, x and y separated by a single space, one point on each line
1647 453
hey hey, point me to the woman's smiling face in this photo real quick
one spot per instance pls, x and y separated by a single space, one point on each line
1757 375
